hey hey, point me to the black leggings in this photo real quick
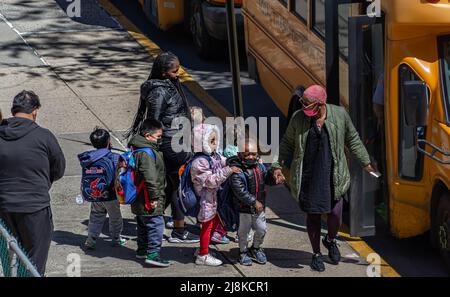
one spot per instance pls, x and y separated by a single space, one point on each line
172 196
173 162
334 222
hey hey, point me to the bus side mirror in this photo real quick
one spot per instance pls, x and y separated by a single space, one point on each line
415 103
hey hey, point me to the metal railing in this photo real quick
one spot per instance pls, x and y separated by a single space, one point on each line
13 261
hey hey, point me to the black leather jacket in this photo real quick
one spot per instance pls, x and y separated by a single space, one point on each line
245 196
165 102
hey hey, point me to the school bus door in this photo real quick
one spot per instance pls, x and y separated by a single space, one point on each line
365 62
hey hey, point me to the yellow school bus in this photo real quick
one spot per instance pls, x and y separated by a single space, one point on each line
204 19
404 51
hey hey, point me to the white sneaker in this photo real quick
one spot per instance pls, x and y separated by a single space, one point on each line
211 252
207 260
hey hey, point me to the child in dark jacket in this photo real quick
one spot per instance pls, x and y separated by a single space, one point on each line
250 196
104 197
150 203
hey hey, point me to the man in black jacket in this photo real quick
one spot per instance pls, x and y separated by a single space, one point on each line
31 160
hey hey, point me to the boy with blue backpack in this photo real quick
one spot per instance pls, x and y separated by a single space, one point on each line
150 179
97 187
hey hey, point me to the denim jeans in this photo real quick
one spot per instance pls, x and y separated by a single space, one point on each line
150 232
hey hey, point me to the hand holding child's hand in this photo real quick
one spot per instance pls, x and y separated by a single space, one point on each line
236 169
259 206
278 176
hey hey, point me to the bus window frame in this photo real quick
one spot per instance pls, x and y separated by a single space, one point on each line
317 32
285 3
445 90
418 176
294 12
313 21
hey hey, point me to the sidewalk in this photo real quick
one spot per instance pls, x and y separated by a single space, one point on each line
87 72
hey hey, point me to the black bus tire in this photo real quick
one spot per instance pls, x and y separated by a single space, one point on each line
442 228
205 44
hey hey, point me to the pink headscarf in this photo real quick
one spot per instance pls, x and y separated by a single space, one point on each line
317 93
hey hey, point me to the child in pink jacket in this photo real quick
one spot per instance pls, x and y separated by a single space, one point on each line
208 173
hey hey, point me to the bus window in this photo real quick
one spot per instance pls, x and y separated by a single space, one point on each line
445 60
300 8
410 160
319 17
319 23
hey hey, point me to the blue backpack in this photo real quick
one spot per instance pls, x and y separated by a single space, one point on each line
97 180
188 200
227 207
125 185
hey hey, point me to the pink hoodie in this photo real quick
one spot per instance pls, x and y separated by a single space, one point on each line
206 179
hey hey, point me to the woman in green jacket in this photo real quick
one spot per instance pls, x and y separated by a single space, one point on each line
315 140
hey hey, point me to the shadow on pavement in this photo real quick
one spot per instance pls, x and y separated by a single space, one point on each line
283 258
129 227
172 252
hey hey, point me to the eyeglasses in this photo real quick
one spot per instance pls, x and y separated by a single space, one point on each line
306 105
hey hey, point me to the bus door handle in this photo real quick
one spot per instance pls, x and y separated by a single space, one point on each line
435 150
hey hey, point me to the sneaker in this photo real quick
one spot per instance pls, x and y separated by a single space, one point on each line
141 254
317 263
170 224
211 252
119 242
244 259
156 260
90 243
258 255
208 260
185 237
333 251
217 238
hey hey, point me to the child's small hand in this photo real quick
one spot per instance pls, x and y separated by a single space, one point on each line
154 204
236 169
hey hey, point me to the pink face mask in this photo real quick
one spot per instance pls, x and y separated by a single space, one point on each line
311 112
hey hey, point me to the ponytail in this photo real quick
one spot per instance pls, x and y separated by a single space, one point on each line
138 118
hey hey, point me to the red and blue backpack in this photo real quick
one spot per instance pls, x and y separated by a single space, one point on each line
126 188
97 180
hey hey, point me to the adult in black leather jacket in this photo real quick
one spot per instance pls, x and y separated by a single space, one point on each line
162 98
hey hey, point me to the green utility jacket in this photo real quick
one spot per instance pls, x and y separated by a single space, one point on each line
341 133
153 173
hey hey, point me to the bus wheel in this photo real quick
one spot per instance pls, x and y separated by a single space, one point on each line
204 43
443 220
